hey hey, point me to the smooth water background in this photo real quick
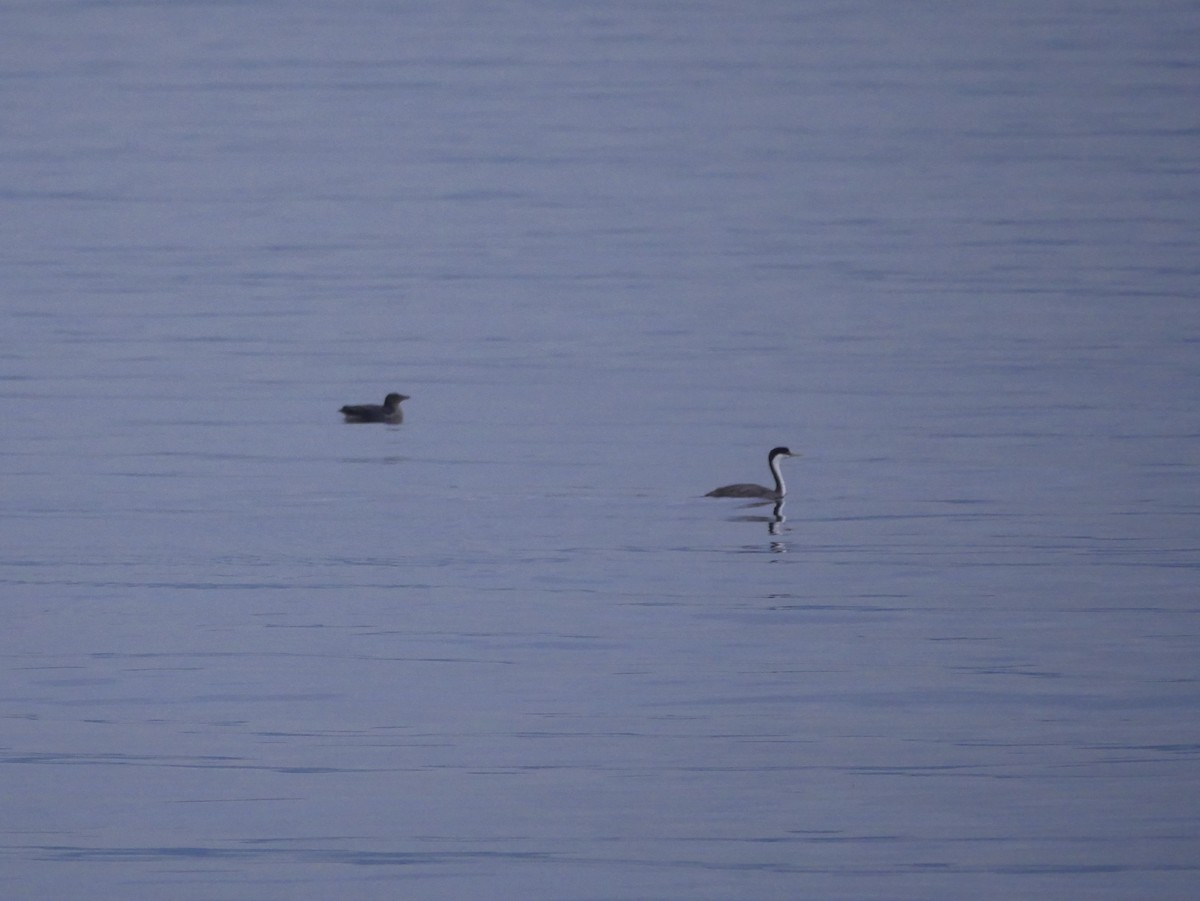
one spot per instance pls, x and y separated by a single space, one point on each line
615 251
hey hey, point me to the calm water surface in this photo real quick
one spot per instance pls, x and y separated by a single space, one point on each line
615 252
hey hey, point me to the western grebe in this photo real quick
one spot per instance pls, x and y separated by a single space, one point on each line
748 489
389 412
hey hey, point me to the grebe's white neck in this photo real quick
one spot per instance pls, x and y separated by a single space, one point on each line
780 487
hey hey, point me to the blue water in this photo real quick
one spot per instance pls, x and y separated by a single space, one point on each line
614 252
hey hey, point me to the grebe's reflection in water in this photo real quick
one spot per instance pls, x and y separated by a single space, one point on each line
774 521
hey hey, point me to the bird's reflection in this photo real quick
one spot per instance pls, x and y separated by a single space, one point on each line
774 521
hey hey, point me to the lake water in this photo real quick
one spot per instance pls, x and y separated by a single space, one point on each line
615 251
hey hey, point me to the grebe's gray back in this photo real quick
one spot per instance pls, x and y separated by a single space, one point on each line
761 492
389 412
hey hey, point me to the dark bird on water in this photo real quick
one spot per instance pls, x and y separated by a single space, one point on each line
762 492
390 412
